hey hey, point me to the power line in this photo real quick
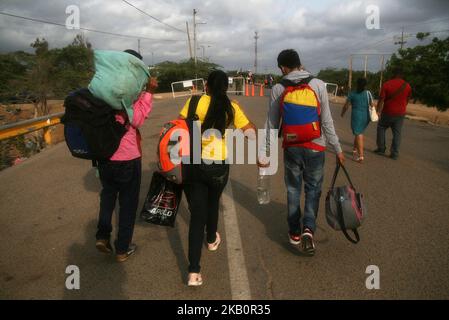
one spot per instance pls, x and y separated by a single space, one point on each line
427 22
432 32
372 44
401 40
87 29
153 17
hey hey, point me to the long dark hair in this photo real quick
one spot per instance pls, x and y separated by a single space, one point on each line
220 114
361 85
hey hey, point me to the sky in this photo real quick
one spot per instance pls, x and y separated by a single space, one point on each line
324 32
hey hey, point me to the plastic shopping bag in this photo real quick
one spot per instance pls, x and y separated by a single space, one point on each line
162 202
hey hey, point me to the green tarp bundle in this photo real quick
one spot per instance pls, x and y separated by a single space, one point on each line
119 79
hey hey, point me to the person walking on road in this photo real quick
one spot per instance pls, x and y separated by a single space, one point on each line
214 111
303 161
392 107
120 177
360 100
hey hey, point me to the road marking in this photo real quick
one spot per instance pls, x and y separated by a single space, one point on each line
240 289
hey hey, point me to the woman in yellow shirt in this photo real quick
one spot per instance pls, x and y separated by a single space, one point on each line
215 111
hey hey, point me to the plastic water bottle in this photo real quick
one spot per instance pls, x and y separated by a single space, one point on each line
263 187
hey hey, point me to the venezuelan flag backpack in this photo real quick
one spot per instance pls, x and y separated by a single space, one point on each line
173 164
301 113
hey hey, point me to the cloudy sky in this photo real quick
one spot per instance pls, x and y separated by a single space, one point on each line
325 32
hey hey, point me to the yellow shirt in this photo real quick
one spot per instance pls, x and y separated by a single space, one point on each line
214 148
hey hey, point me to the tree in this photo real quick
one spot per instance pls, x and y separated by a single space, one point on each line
40 81
57 72
74 66
168 72
426 67
13 74
341 78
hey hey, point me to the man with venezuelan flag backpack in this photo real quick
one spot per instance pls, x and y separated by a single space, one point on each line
299 107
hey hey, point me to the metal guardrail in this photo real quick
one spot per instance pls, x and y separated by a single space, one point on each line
16 129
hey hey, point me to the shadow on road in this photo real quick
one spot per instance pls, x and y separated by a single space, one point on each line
101 277
175 240
91 182
273 216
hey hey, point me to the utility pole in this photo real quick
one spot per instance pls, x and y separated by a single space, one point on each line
366 55
188 37
350 74
256 37
194 35
382 67
204 51
366 65
138 46
402 39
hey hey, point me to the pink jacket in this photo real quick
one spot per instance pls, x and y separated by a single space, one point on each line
130 148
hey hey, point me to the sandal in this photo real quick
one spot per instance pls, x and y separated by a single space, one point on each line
194 280
214 246
360 159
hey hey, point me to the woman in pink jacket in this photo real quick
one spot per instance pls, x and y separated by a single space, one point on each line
120 177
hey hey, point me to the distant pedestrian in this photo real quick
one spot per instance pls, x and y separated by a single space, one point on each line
239 84
270 81
360 100
392 107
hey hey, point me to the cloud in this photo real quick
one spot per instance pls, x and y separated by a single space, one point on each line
324 32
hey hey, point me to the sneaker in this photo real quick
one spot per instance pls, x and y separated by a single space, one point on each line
379 152
307 244
394 156
195 280
123 257
104 246
295 239
214 246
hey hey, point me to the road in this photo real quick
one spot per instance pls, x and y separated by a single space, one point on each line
49 205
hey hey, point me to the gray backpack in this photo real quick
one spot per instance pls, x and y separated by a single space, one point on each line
345 209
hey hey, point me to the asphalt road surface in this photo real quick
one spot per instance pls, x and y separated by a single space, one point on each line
49 206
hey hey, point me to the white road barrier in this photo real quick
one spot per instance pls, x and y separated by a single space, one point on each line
187 88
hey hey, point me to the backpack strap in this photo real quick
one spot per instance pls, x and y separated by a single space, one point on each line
191 115
343 224
289 83
337 170
397 92
341 219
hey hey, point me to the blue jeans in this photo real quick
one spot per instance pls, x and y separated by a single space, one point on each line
119 179
395 123
303 165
